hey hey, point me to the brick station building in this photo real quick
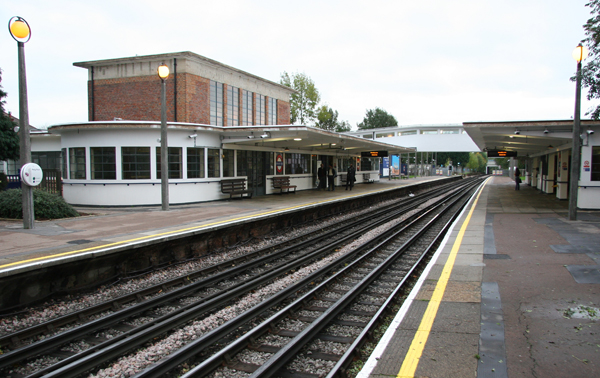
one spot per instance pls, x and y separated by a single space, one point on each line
199 90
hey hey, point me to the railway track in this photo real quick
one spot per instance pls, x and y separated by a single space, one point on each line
210 291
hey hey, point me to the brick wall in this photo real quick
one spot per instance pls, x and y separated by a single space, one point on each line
138 99
283 113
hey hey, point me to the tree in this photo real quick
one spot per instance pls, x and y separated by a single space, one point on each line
327 119
477 162
590 72
377 118
444 158
303 104
9 140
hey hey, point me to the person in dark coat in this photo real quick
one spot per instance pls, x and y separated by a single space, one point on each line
350 177
322 175
517 178
331 175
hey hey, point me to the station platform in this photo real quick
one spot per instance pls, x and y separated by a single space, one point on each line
513 292
102 228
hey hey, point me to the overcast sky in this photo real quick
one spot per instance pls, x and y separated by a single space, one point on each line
435 61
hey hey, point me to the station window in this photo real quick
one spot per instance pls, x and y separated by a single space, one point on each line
370 164
216 103
135 163
595 163
77 163
247 97
429 132
297 163
384 135
228 163
214 162
195 162
413 132
449 132
174 161
261 104
233 106
368 136
272 116
103 163
47 160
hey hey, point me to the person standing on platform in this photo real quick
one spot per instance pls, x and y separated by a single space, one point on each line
322 175
331 174
350 177
517 178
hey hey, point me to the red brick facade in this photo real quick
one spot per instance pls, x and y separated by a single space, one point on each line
138 99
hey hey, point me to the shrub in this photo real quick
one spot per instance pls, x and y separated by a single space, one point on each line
45 205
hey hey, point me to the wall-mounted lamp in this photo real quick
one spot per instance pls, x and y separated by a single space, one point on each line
297 139
265 135
286 149
590 132
546 131
192 136
517 132
250 136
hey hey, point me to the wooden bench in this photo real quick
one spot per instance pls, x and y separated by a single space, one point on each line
283 183
367 178
235 187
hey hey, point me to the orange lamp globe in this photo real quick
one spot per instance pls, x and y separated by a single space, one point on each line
19 29
580 53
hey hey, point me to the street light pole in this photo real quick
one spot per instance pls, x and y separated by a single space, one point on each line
21 32
163 73
579 54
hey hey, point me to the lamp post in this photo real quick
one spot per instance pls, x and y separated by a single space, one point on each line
579 54
21 32
163 73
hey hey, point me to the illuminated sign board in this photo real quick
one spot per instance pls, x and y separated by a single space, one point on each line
374 154
500 153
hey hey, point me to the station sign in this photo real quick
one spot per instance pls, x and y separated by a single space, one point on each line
374 154
501 153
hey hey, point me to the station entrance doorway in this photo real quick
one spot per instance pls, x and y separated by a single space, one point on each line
256 165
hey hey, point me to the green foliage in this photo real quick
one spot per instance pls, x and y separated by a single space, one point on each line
327 119
45 205
3 181
303 104
477 162
9 140
444 158
377 118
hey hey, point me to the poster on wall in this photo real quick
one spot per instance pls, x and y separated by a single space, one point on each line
395 168
384 168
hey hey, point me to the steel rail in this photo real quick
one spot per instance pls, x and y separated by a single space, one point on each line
193 348
340 368
230 350
274 364
155 331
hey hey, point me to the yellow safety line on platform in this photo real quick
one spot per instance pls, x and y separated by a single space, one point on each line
411 360
173 232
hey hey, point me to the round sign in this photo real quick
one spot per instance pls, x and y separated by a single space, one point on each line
31 174
279 163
